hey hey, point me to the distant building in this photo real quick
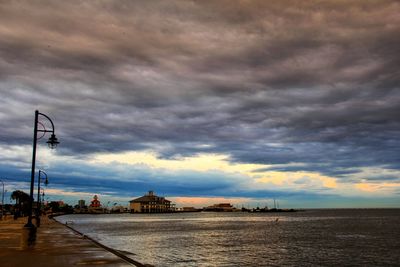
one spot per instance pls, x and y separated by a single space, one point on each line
81 204
150 203
81 207
95 203
95 206
119 209
189 209
220 207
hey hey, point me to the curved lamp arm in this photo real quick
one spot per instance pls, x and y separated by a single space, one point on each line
53 141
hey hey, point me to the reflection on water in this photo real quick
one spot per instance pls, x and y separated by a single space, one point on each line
316 237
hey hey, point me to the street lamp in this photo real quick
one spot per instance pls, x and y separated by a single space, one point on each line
2 201
52 143
2 198
39 205
42 195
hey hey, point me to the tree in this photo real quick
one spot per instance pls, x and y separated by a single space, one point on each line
21 201
55 206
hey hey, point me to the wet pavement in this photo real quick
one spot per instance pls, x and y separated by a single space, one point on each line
54 245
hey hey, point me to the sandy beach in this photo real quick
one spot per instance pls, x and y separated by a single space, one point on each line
55 245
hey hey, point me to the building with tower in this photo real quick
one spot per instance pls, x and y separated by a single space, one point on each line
151 203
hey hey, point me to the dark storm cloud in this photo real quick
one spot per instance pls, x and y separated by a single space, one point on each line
312 82
390 178
127 181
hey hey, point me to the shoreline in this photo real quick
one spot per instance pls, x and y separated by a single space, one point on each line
114 251
55 244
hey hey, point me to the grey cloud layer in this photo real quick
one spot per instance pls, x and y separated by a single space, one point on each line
313 82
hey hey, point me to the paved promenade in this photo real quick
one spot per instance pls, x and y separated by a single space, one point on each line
55 245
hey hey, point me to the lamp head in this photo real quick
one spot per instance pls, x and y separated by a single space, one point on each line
53 141
46 182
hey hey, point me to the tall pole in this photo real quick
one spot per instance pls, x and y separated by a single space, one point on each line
29 223
39 202
38 196
2 198
2 201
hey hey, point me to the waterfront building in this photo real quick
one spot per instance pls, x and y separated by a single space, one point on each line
81 207
189 209
119 209
220 207
95 206
81 204
95 203
150 203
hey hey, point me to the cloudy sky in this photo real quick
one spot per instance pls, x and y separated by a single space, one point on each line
205 101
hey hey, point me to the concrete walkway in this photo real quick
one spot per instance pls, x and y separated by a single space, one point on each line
55 245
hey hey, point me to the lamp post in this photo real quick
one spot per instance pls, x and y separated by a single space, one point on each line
52 142
42 196
2 201
2 196
39 204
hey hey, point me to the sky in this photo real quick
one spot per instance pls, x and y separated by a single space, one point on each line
205 101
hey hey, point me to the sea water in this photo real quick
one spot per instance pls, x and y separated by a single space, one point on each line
341 237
